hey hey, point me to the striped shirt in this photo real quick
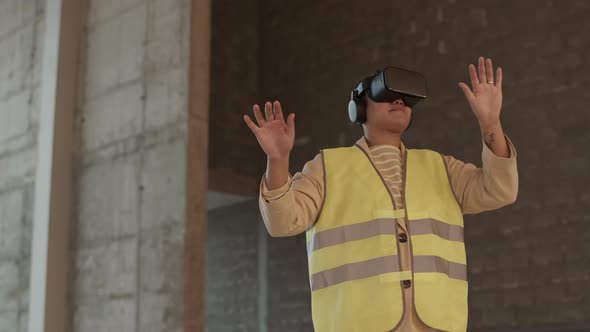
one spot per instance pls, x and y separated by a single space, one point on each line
388 160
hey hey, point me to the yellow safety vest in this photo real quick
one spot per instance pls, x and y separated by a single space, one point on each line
354 268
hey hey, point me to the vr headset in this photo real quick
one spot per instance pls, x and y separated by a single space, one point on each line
387 85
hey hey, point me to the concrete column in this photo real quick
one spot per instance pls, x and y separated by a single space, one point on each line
52 218
197 167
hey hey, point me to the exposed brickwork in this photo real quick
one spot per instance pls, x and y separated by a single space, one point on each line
528 263
235 87
232 268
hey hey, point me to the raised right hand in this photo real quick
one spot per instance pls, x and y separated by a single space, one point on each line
275 136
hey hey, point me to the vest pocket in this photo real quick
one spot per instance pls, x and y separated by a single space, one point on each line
369 304
441 302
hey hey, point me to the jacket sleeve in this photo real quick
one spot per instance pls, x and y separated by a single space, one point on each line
488 188
294 207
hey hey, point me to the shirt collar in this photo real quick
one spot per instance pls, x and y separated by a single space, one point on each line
362 143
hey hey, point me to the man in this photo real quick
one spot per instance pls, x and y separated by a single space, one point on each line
384 223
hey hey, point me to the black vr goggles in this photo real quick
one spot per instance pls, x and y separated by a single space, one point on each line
387 85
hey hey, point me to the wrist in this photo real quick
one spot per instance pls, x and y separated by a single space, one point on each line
278 159
280 164
487 126
277 172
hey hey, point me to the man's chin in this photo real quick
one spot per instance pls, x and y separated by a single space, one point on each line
396 127
396 130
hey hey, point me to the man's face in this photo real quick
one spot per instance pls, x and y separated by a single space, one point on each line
391 116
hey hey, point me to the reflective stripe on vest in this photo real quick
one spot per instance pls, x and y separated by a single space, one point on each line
355 274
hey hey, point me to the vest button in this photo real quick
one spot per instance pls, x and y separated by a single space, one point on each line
403 238
407 283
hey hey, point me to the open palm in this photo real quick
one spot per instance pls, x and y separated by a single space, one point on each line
485 97
275 136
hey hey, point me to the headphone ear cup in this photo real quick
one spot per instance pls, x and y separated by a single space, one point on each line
356 112
352 111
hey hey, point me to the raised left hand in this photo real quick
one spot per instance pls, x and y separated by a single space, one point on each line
485 97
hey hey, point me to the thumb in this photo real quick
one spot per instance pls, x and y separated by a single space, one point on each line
468 94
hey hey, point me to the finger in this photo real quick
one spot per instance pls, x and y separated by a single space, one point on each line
499 78
473 77
278 111
468 94
489 71
258 115
268 110
291 124
250 123
482 72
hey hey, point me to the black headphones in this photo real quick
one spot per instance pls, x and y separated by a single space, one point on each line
356 106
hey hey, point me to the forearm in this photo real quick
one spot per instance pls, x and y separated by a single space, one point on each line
279 216
277 172
293 207
487 188
493 136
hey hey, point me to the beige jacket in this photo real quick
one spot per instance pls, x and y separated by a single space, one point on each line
294 207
